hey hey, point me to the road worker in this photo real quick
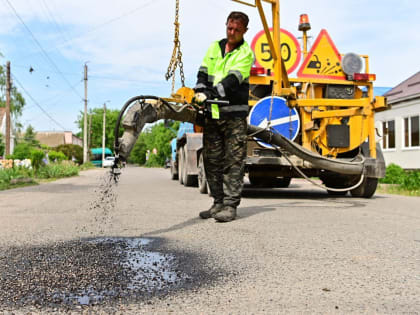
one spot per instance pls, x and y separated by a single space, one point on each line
224 75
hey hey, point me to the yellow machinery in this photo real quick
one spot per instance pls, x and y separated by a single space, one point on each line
336 139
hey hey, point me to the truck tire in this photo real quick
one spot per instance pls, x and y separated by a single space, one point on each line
366 189
283 182
335 181
202 180
258 180
188 180
174 171
181 165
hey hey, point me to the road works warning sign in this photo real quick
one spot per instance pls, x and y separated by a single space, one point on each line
323 61
290 50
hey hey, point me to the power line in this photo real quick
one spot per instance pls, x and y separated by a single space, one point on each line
109 22
42 48
37 104
65 38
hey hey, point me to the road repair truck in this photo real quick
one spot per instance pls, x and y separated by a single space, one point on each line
332 115
319 124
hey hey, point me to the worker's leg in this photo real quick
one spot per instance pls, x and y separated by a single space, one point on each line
234 160
213 158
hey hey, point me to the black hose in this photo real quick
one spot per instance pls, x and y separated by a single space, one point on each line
124 108
339 166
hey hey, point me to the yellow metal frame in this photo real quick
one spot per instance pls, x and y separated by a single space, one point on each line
311 104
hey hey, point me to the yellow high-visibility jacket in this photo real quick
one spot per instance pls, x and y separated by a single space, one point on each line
225 76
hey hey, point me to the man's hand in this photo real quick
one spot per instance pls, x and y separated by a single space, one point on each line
199 98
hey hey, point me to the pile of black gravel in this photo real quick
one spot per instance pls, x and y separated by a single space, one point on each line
68 275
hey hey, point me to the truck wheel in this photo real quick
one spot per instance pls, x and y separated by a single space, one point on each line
283 182
202 181
174 171
188 180
366 189
181 165
256 180
335 181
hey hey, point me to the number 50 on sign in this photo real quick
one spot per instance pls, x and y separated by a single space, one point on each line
290 50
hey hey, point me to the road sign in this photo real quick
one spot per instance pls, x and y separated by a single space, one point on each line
284 120
290 50
323 61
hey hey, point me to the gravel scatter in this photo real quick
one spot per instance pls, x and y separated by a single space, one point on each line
102 206
88 273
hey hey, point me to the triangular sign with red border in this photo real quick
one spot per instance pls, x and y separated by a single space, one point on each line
323 61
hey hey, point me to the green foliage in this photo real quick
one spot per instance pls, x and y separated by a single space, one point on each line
138 154
2 145
6 175
36 157
158 137
407 180
71 151
394 174
55 156
411 181
17 102
58 170
87 166
22 151
97 127
29 137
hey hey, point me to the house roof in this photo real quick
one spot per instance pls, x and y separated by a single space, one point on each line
408 89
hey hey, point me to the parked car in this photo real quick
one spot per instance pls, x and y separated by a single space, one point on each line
109 161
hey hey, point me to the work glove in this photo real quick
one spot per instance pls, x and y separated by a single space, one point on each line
199 98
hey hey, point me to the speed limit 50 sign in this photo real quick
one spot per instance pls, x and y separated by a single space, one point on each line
290 50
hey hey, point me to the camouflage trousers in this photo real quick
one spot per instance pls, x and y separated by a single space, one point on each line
224 158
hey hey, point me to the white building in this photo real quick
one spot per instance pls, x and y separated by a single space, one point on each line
399 126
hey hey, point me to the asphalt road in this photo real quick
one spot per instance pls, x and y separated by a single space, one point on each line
293 250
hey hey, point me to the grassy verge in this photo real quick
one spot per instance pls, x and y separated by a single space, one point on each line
21 177
397 190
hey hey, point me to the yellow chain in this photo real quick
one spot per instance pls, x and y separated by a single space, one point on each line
176 58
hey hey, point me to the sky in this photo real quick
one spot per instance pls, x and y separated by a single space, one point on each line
127 45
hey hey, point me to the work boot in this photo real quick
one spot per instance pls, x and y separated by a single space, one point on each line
215 208
226 215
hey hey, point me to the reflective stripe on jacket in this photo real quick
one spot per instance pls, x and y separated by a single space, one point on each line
227 76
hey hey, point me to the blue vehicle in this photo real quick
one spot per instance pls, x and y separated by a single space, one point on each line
96 156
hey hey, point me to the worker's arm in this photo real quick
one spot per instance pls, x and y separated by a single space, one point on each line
238 73
204 79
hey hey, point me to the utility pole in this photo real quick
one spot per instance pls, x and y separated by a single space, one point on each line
8 108
85 131
103 136
89 132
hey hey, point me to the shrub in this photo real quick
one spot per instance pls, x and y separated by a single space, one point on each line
71 151
22 151
58 170
55 156
37 156
394 174
411 181
12 173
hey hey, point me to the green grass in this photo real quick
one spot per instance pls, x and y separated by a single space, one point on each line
396 189
49 172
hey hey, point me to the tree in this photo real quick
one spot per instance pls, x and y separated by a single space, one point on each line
158 137
96 128
2 145
29 137
17 102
